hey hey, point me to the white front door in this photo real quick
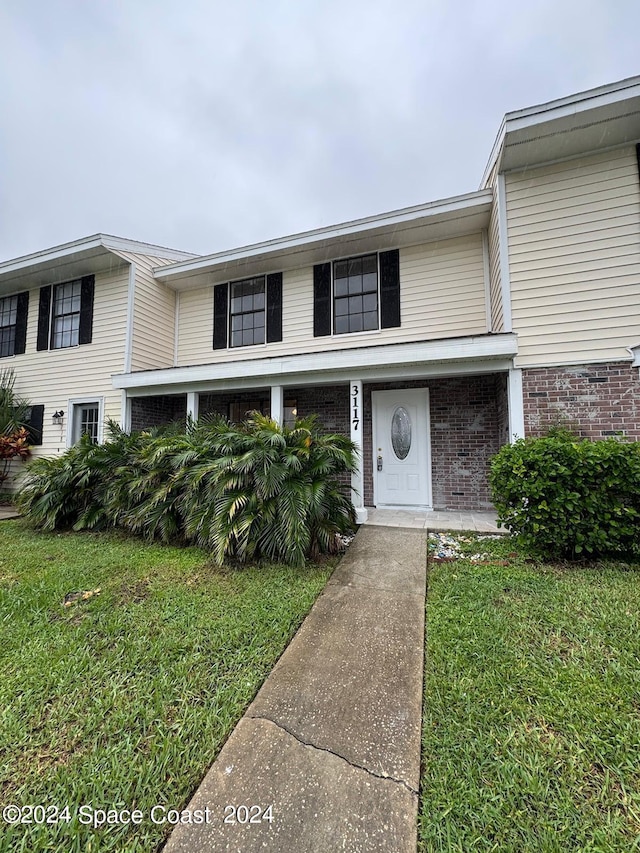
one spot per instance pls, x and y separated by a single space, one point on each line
401 449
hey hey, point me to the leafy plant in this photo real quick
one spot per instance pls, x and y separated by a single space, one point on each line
242 491
569 497
14 438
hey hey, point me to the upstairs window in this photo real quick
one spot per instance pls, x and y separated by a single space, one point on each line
13 324
247 312
357 294
65 315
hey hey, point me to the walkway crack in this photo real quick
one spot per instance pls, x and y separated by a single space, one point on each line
335 754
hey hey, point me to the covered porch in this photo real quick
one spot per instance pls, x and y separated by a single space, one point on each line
425 428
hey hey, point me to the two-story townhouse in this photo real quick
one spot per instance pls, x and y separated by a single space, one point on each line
431 335
74 315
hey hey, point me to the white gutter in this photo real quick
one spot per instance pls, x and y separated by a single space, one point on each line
86 244
358 226
601 96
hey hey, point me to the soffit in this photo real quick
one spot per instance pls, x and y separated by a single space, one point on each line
440 221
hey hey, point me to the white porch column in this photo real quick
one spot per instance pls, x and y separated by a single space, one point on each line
516 404
193 405
277 403
357 478
125 412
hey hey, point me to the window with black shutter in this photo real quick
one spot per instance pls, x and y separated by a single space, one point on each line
65 316
248 312
13 324
359 294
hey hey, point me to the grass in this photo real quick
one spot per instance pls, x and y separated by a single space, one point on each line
124 699
531 731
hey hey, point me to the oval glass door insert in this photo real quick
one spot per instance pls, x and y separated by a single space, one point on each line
401 432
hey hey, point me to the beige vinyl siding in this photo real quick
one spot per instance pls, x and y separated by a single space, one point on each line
52 377
153 341
574 258
442 296
495 281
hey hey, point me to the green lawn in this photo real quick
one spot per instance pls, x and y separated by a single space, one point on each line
123 700
531 733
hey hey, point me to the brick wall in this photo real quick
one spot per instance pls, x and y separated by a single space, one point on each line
502 403
219 404
594 400
147 412
464 435
330 403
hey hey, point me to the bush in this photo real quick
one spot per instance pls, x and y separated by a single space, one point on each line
242 491
14 438
569 497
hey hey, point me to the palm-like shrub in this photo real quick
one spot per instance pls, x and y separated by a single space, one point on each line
242 491
64 491
267 491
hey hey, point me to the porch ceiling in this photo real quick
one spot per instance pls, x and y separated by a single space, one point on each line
454 356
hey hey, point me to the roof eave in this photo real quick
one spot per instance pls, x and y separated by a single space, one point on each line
382 224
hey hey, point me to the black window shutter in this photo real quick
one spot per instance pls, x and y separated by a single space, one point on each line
274 307
220 314
44 311
390 289
321 300
85 332
21 323
34 424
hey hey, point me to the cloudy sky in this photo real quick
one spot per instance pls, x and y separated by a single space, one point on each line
205 125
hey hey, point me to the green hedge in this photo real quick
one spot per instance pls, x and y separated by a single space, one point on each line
242 491
569 497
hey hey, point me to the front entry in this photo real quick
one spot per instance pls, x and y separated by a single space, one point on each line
401 449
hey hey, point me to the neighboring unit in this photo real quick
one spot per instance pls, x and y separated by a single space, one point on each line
430 335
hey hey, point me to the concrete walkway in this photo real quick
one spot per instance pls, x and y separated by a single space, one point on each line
7 512
332 740
435 520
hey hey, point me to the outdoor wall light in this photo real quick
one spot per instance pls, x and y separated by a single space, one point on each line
58 417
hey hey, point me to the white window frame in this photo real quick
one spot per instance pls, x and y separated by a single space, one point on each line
231 315
338 335
13 325
73 404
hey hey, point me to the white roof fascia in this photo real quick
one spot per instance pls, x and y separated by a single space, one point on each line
95 241
601 96
357 226
124 245
53 254
402 356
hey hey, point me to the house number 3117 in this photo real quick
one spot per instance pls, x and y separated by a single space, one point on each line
355 405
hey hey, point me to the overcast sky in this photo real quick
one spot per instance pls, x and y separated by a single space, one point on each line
205 125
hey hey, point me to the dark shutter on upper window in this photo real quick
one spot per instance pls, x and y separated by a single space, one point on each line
44 316
638 157
274 307
34 423
220 315
389 289
321 300
21 323
85 331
